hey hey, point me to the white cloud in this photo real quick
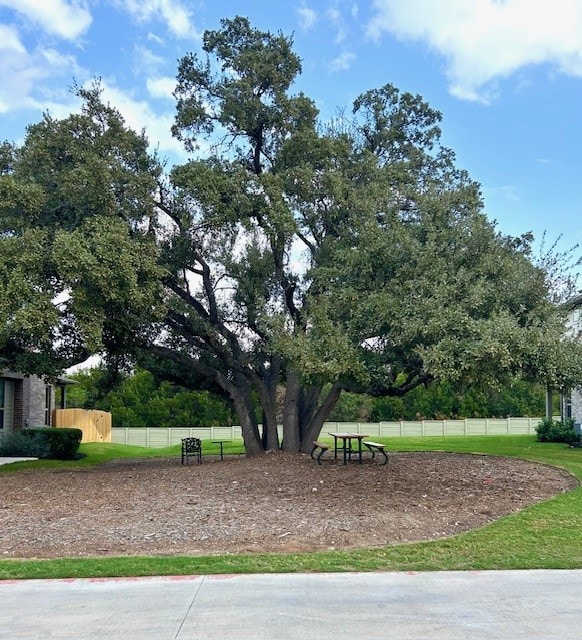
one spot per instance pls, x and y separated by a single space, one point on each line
155 38
10 40
343 62
507 191
162 87
67 20
173 12
23 74
307 17
56 61
336 18
150 65
17 76
486 40
146 61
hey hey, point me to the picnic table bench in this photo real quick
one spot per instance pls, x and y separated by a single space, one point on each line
377 447
322 447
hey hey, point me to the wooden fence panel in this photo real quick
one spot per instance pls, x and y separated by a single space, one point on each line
95 425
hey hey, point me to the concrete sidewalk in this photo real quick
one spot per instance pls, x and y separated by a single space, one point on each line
428 606
12 459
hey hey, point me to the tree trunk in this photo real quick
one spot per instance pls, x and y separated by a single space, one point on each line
268 395
312 428
549 404
291 432
309 401
241 399
270 434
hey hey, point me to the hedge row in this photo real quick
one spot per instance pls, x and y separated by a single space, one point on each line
43 442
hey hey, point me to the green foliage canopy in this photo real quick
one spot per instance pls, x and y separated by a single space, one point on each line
78 270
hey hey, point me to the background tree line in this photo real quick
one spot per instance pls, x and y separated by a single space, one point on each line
139 400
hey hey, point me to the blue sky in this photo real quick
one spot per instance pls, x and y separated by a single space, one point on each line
506 75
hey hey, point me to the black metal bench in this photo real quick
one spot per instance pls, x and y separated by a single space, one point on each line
322 449
191 448
377 447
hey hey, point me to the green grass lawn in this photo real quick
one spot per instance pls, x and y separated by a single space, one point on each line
544 536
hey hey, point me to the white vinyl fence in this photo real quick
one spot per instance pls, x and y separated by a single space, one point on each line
165 436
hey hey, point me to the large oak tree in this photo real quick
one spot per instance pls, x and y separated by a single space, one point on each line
287 261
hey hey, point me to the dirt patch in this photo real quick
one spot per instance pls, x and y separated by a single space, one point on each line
278 502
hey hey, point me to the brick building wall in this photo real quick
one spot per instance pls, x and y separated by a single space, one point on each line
35 402
29 401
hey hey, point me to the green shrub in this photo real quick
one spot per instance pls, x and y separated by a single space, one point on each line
549 430
43 442
20 444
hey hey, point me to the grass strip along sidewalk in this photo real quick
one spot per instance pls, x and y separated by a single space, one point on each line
543 536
